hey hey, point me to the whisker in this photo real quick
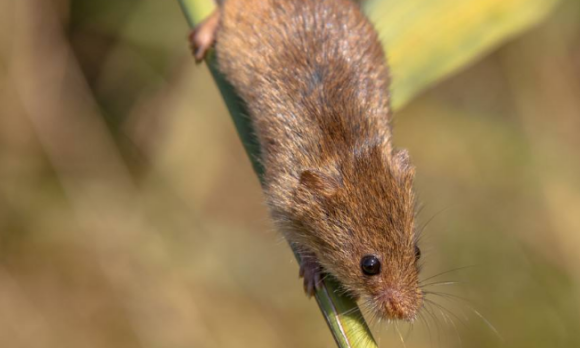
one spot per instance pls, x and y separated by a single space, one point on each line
492 328
445 318
380 334
467 303
450 312
409 330
400 336
447 272
423 320
422 228
442 283
352 310
453 324
450 297
435 321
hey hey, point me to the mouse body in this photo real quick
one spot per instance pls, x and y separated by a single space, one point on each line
314 78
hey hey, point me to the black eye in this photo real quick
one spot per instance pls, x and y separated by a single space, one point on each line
370 265
417 252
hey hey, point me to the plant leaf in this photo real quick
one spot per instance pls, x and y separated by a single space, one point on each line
427 40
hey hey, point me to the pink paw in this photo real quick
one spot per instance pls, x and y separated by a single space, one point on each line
203 36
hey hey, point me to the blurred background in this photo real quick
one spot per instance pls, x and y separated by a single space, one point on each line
130 215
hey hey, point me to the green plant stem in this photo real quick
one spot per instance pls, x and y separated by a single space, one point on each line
348 329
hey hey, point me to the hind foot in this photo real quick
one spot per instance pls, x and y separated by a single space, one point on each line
203 36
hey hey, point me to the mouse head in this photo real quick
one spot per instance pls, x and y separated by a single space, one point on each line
362 216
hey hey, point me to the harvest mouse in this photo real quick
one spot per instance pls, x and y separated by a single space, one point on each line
314 78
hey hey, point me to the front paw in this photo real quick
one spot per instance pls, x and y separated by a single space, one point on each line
311 271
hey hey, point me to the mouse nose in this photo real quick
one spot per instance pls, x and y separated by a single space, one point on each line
398 305
393 301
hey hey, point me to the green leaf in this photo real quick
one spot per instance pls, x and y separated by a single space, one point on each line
427 40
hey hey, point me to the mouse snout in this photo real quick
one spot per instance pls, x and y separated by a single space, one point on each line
398 304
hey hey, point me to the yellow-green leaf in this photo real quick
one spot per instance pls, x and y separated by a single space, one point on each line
426 40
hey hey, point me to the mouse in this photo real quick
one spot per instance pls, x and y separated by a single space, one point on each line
314 78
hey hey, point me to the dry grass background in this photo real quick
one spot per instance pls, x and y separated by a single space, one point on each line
130 216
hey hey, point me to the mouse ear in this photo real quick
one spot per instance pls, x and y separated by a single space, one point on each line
318 182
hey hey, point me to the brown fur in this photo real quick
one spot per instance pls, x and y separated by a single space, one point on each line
314 78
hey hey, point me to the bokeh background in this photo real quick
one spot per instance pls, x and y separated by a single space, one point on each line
130 215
